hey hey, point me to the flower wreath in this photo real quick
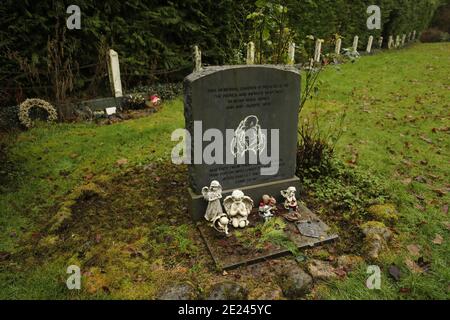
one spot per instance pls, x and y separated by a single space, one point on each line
24 111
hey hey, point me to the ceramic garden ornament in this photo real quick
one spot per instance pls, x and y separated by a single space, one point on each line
214 213
155 100
213 194
290 202
238 207
266 206
220 223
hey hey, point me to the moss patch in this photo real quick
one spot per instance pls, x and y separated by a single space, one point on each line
270 232
384 212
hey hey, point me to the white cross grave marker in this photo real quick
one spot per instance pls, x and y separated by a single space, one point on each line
369 44
338 46
355 44
114 73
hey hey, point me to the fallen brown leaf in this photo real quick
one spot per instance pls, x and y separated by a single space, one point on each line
438 239
122 162
420 179
407 163
4 255
444 129
419 197
407 181
419 207
413 249
433 176
427 140
340 272
440 192
412 266
447 224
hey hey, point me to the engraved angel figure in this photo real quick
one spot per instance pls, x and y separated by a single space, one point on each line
238 207
213 194
290 201
248 137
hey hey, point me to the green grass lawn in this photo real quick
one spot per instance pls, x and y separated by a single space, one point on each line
397 110
397 107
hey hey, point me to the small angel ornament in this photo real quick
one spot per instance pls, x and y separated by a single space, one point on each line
266 206
214 213
238 207
213 194
290 201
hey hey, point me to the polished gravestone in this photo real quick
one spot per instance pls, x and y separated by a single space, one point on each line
255 110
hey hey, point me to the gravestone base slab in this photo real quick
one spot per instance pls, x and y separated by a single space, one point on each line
228 253
197 204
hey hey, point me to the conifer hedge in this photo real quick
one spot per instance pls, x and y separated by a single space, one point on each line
40 57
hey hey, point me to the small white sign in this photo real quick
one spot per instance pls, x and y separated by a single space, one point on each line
111 111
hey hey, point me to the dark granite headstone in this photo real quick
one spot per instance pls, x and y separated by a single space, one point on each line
245 103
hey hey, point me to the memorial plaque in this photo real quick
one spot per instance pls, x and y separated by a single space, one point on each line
252 113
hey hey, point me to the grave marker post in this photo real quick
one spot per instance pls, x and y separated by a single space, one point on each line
369 44
291 54
197 59
397 41
318 51
114 73
390 42
250 53
338 46
355 44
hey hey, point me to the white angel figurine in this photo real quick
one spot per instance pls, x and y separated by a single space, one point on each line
213 194
238 207
290 201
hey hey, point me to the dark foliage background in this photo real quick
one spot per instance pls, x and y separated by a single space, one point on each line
441 18
40 57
